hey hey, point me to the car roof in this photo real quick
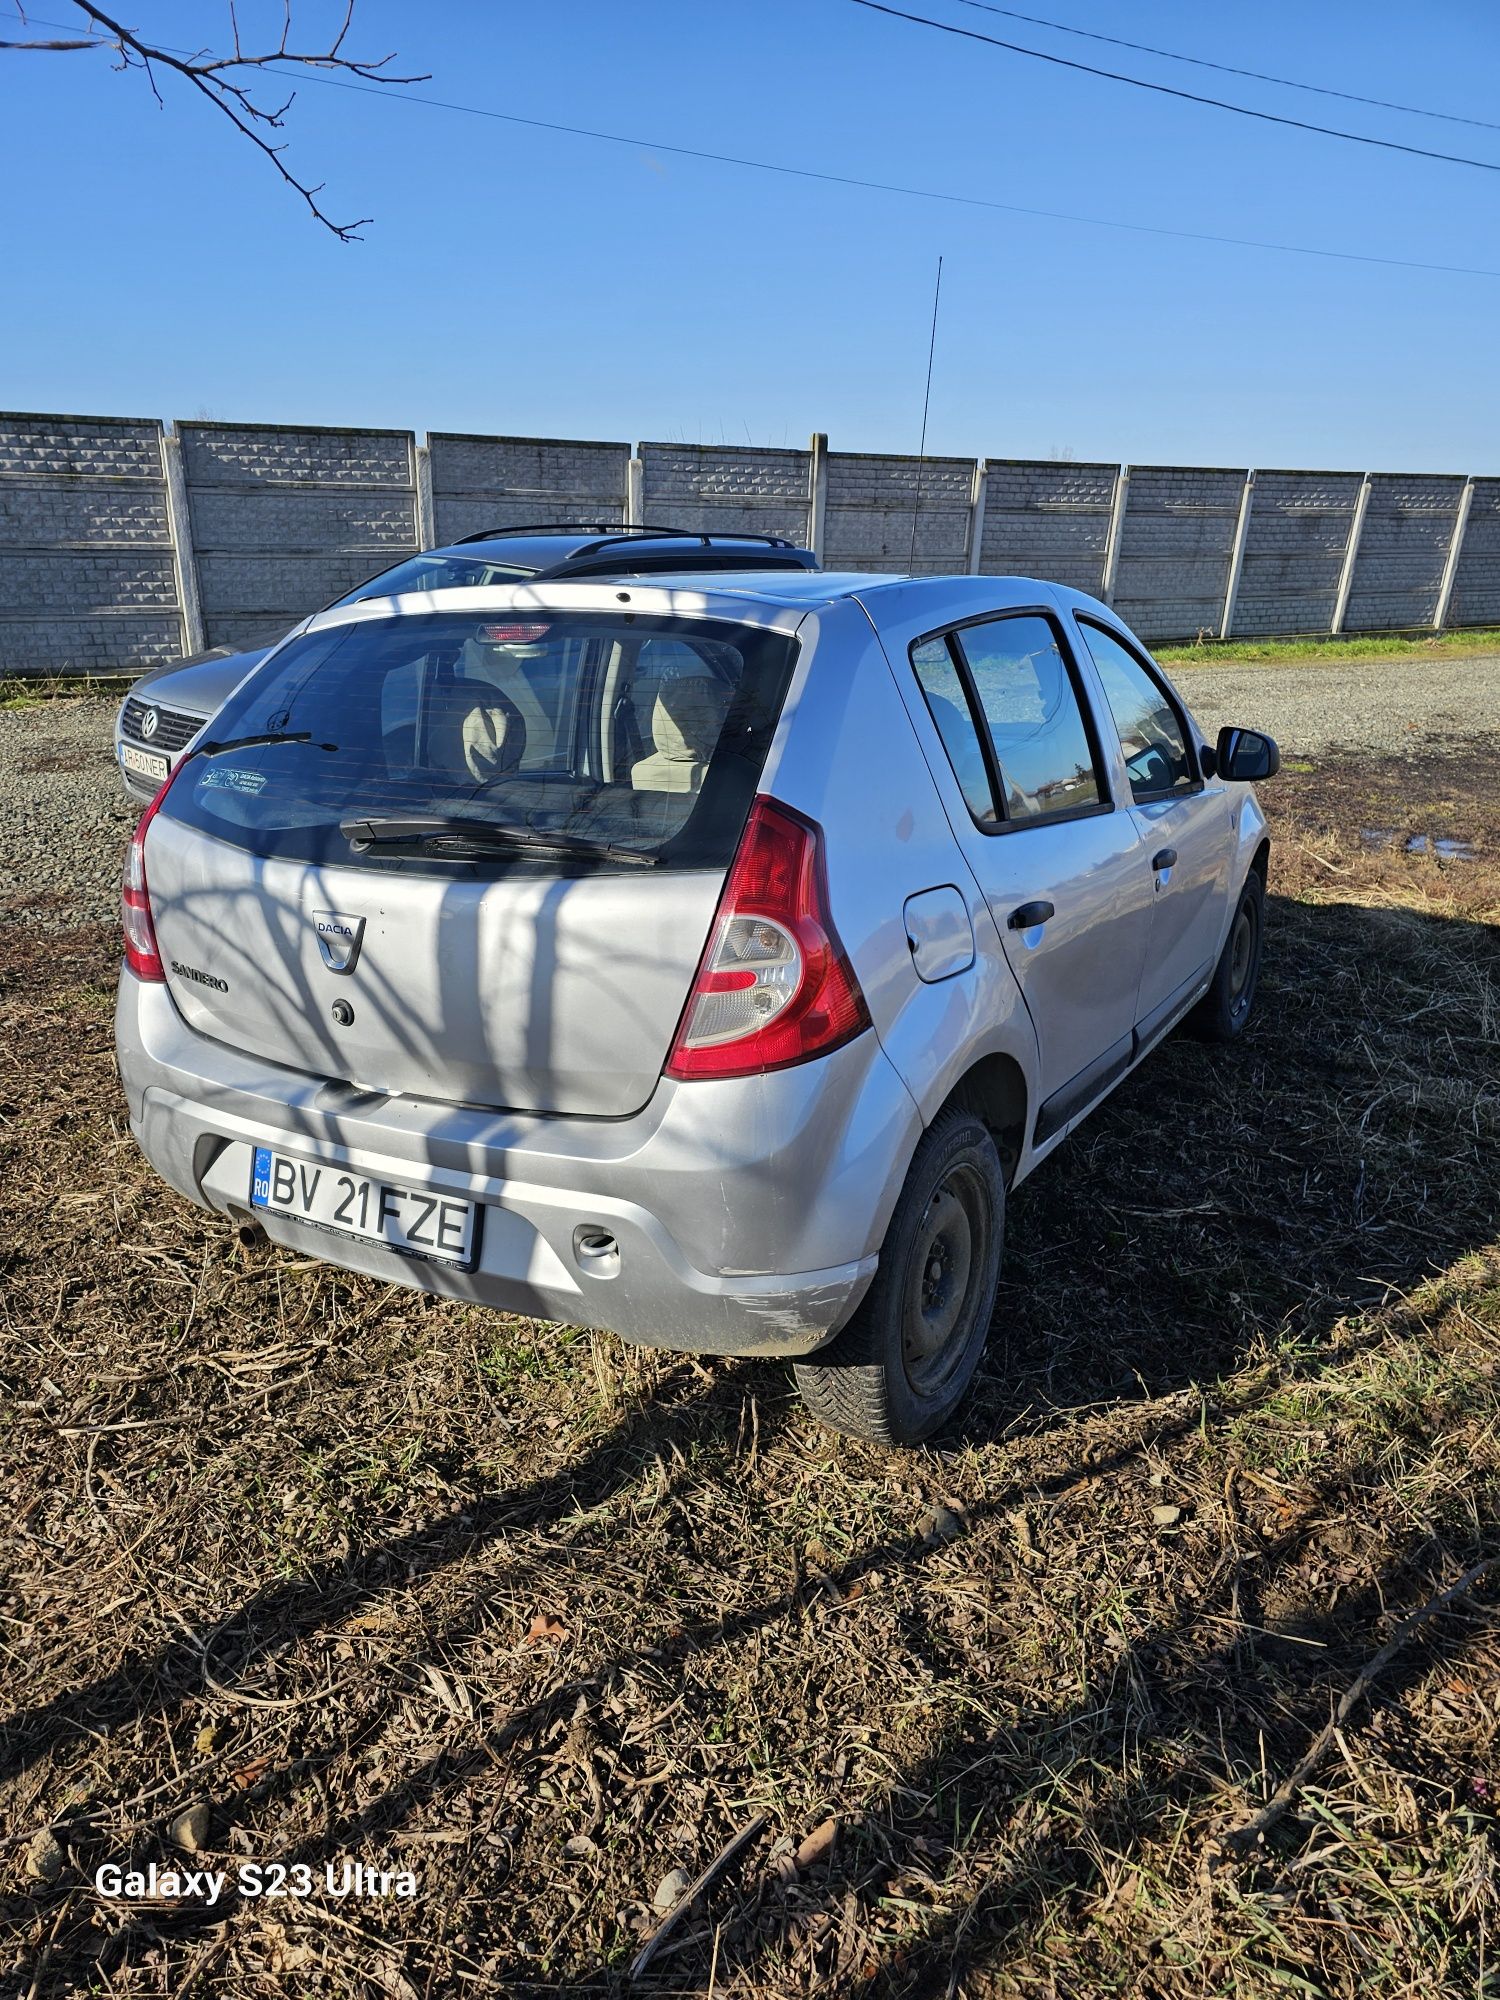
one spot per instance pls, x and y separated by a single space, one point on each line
780 598
891 595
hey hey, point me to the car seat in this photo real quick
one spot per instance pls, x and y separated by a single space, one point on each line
491 711
685 722
492 738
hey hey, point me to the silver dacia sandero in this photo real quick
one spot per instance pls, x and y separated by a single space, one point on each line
701 958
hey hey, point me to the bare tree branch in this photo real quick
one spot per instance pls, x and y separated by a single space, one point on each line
229 82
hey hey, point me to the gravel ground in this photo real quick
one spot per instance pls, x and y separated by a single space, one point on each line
1384 707
67 815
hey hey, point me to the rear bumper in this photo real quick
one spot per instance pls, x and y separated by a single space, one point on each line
748 1214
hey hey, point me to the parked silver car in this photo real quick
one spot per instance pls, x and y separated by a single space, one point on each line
700 958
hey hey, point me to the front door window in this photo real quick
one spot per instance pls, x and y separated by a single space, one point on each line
1158 759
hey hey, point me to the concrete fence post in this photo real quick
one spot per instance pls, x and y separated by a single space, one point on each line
1455 551
184 562
1351 556
635 492
1237 555
426 510
817 493
1115 535
976 514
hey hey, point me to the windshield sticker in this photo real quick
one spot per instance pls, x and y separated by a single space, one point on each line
218 778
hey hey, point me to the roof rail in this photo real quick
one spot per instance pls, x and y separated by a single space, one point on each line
611 530
685 534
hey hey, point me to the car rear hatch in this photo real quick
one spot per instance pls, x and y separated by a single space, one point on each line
470 856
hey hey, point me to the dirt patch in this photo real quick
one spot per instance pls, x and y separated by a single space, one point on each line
540 1619
63 760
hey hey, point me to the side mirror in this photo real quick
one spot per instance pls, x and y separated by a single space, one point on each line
1208 759
1244 756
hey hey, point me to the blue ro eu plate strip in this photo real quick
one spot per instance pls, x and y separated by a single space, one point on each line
260 1178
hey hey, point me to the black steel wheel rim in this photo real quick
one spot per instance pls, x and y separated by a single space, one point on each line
1242 942
944 1273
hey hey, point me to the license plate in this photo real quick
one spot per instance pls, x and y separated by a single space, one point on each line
148 763
438 1227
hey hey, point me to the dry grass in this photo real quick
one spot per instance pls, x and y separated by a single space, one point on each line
27 690
277 1538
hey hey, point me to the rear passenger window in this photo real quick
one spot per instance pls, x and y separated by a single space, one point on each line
1036 724
939 680
1157 759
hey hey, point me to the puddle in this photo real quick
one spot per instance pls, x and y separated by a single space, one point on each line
1442 847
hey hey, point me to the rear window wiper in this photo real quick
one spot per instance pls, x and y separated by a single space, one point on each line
432 830
253 742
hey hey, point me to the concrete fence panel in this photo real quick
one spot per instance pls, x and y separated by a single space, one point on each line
123 545
1476 589
1403 545
283 520
1047 519
1176 544
872 497
88 581
728 489
495 482
1294 551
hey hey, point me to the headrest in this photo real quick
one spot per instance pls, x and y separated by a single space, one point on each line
494 738
688 716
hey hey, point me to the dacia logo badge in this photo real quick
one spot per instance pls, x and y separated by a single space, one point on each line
339 938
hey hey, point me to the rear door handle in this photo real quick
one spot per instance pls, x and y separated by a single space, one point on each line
1165 857
1029 915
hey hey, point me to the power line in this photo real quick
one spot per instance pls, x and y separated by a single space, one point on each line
1229 69
1187 96
645 145
638 144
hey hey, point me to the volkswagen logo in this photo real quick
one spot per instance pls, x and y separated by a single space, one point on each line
150 723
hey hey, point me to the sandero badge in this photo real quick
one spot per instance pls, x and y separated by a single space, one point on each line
339 939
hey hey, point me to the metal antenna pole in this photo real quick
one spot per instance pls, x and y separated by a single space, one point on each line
916 506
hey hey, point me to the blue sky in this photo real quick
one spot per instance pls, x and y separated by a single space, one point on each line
523 281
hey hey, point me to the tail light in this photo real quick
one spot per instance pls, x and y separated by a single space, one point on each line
141 954
774 987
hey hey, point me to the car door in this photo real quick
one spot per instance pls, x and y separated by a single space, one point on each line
1184 821
1062 870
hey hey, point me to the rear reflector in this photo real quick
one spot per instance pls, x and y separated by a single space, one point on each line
774 987
141 953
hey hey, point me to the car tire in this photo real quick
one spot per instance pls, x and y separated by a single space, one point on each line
901 1366
1221 1015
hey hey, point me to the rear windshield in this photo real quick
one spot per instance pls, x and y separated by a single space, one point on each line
429 572
473 741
